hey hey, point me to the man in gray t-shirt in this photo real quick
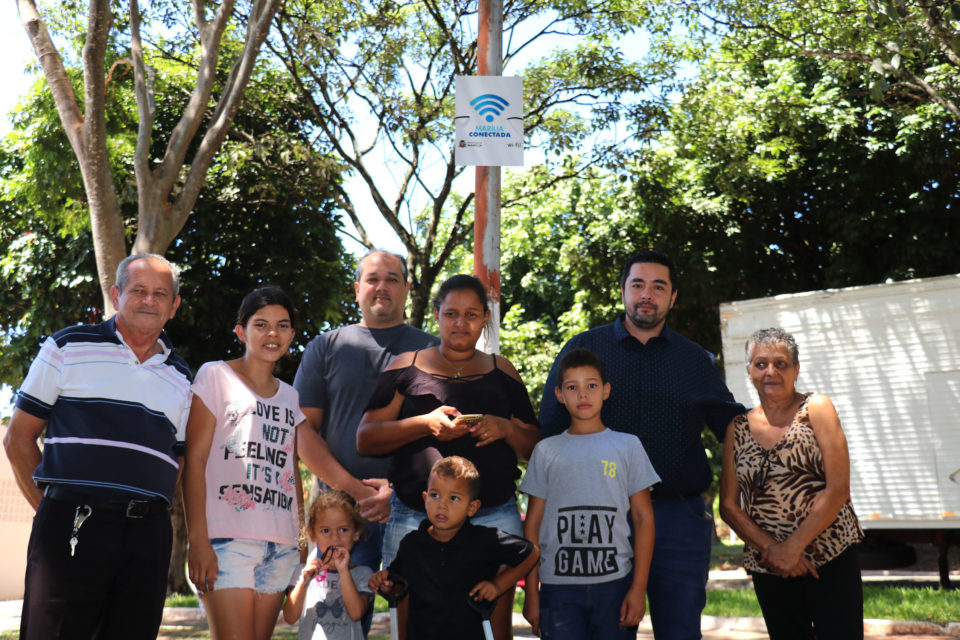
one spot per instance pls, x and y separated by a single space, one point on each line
336 377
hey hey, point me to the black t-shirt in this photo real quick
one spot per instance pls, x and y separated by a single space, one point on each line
495 393
441 574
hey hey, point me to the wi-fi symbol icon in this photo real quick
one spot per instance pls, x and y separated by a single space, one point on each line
489 105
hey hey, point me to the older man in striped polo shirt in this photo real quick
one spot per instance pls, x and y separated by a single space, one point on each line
113 398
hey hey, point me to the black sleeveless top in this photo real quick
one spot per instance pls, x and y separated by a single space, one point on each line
495 393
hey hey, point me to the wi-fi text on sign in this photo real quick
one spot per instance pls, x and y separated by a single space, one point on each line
489 105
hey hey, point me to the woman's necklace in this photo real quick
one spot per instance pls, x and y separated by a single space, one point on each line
456 375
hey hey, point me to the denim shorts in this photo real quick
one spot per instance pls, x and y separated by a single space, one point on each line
403 520
265 567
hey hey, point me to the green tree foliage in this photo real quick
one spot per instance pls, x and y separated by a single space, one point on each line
167 183
906 52
265 216
380 77
774 176
781 176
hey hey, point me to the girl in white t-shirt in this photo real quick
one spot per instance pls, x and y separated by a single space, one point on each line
242 493
331 594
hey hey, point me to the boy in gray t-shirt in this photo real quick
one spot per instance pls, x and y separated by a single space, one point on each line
583 486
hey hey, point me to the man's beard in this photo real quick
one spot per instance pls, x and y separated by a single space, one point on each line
645 321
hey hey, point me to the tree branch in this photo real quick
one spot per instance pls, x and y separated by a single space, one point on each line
113 67
165 175
141 156
201 19
345 203
259 24
934 95
57 79
934 27
87 134
354 160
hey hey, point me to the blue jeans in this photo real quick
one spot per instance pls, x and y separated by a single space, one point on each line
677 587
367 553
403 520
588 612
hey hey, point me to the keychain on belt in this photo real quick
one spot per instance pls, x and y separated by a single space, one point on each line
83 512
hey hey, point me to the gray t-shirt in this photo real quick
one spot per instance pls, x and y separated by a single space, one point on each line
325 616
587 481
338 373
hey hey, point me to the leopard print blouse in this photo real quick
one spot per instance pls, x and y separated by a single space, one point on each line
789 477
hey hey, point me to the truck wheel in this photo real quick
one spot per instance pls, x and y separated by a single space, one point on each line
943 564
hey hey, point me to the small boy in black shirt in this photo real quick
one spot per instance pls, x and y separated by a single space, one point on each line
448 559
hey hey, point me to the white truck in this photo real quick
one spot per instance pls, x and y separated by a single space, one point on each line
888 355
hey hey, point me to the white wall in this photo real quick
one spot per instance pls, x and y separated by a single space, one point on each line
16 517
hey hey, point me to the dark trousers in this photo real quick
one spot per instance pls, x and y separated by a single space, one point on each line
807 608
113 587
677 586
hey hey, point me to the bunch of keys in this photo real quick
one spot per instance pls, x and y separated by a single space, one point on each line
78 520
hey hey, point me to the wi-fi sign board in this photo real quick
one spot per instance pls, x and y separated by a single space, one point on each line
489 121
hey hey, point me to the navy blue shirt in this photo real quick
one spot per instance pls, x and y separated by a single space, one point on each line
664 392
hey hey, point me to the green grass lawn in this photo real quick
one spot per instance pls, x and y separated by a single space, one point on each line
885 602
726 556
922 604
890 603
907 603
180 600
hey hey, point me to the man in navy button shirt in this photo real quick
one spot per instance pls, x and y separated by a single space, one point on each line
664 389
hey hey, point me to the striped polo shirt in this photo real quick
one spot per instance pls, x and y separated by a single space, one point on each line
115 425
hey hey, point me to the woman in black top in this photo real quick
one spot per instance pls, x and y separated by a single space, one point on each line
412 416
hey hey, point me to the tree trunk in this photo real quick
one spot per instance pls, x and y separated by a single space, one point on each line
420 298
109 245
419 304
86 131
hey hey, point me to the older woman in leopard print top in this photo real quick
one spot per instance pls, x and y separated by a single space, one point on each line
785 490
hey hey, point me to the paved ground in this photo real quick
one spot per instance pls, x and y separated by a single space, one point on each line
187 624
183 624
719 628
